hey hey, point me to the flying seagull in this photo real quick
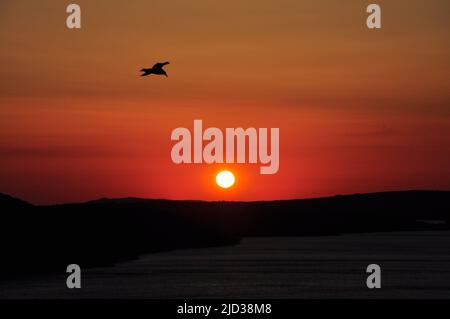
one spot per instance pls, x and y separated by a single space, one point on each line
156 69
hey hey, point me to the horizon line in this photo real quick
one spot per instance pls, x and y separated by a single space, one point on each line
222 201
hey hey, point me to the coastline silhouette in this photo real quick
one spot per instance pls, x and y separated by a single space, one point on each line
107 231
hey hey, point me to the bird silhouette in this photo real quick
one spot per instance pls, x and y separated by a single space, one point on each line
156 69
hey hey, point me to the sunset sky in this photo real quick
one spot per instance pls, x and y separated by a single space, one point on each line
359 110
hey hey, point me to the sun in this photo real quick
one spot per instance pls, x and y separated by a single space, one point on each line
225 179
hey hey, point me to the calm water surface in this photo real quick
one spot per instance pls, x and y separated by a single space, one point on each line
414 265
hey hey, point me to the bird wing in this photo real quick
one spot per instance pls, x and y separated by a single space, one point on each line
160 65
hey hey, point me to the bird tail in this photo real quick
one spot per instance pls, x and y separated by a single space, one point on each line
146 72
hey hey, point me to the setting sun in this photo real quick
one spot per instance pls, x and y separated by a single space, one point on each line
225 179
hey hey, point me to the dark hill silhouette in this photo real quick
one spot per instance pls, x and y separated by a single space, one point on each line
102 232
7 201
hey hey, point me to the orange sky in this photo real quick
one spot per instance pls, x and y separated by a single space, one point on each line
358 110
